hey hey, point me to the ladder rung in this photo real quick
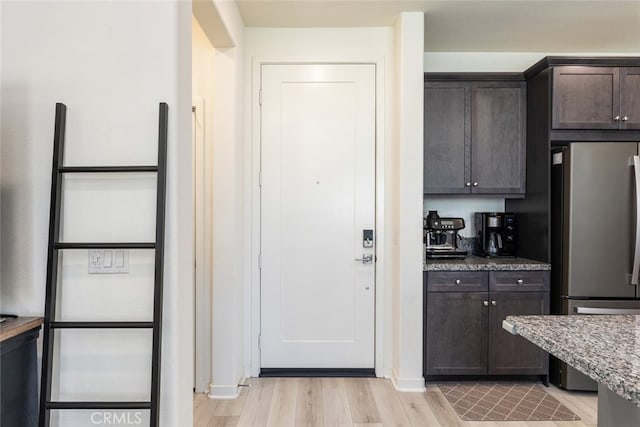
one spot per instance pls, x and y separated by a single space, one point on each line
101 325
140 245
107 169
98 405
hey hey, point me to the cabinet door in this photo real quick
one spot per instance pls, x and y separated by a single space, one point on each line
585 98
512 354
498 135
630 98
456 338
446 137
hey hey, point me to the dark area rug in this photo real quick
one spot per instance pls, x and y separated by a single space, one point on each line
505 402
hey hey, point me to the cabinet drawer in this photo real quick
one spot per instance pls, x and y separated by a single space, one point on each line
519 281
457 281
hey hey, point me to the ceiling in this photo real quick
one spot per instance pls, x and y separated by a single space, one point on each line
467 26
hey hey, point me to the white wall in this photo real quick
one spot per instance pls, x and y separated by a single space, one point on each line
230 268
111 63
203 57
407 316
332 45
1 166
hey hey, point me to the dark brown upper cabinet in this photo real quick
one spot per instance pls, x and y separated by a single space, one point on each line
598 98
447 137
630 98
474 133
498 135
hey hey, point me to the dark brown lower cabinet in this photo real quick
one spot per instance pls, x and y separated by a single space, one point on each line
457 333
512 354
463 330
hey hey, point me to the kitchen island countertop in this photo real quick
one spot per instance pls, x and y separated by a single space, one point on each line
604 347
476 263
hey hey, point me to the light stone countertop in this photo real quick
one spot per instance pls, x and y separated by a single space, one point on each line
604 347
476 263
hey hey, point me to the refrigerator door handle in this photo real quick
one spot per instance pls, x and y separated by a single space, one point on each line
598 310
636 252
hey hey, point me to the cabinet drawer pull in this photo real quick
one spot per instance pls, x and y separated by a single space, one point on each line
485 303
493 302
475 184
519 281
625 118
467 184
457 281
616 118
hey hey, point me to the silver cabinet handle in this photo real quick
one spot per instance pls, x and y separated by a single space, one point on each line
493 302
625 118
366 259
467 184
457 281
616 118
475 184
519 281
485 303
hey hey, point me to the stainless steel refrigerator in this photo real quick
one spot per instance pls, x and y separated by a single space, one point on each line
595 245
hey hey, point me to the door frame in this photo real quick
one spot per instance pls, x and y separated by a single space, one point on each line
382 301
202 265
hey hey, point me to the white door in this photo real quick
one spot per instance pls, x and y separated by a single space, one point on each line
317 197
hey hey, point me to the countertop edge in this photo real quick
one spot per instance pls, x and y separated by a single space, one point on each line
14 327
475 263
557 350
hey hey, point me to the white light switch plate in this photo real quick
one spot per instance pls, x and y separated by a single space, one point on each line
108 261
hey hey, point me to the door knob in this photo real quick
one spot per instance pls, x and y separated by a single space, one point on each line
366 259
485 303
625 118
616 118
467 184
493 302
475 184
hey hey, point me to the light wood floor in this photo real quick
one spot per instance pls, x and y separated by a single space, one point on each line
283 402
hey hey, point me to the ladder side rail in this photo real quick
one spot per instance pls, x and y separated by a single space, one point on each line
52 262
159 263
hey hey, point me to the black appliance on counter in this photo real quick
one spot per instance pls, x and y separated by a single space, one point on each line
441 237
497 234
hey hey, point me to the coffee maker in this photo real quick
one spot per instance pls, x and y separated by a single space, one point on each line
441 237
497 234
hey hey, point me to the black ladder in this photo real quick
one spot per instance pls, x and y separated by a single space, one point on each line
50 323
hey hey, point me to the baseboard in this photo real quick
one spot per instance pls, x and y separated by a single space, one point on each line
225 391
317 372
415 385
